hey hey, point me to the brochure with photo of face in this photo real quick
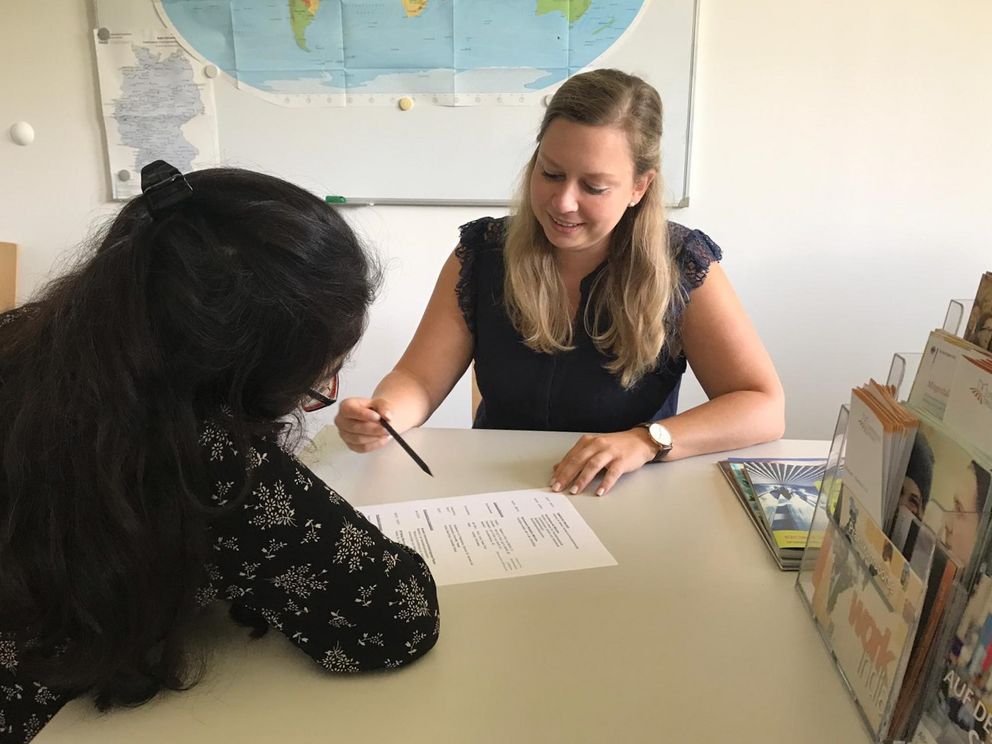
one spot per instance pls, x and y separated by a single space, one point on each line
949 490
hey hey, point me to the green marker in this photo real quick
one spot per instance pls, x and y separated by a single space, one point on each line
335 199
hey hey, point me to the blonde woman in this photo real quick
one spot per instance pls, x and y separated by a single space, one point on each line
582 310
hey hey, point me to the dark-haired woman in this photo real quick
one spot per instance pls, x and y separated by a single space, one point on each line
144 469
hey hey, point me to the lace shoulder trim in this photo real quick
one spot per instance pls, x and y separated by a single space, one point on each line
694 251
487 233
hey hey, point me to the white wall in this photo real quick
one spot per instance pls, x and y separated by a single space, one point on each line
842 157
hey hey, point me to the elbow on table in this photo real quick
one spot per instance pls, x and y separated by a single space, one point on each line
774 416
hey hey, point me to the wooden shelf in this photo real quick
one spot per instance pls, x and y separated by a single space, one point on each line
8 276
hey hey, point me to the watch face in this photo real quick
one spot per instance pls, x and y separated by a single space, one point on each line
660 434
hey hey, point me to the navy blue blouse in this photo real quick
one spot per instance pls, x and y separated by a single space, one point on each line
571 390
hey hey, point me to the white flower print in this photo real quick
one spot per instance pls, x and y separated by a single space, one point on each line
31 727
312 528
339 621
219 496
226 543
12 692
364 597
274 547
43 696
336 660
273 507
411 645
301 581
217 442
389 561
296 609
205 595
256 458
8 655
302 480
352 547
371 639
248 570
412 602
272 618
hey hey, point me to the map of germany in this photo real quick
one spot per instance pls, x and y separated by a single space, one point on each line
158 97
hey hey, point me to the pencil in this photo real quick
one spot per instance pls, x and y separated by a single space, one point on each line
409 450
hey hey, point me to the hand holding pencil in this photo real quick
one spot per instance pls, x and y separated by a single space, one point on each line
364 426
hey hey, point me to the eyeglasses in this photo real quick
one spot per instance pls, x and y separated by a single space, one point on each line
325 395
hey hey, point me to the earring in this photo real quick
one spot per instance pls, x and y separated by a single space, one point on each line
632 204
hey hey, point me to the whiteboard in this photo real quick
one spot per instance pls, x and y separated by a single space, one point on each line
442 154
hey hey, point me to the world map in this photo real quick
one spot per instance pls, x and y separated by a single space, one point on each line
373 47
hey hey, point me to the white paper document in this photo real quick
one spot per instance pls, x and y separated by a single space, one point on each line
493 535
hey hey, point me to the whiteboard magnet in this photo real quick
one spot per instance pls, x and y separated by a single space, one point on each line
211 71
123 175
22 133
103 34
406 103
547 101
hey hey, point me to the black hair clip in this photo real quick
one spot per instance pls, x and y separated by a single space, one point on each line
163 187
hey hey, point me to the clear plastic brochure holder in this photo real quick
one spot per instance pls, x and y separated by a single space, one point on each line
831 546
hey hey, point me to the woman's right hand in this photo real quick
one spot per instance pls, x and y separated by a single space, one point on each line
358 423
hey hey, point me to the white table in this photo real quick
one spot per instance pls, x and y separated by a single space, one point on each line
694 637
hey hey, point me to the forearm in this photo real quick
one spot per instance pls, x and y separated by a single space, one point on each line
409 399
736 419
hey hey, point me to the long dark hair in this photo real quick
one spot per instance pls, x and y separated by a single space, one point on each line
229 307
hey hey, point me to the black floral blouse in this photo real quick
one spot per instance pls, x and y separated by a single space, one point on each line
294 556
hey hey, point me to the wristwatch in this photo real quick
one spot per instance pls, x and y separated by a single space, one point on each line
661 437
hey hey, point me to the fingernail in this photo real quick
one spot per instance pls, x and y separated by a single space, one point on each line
600 492
555 486
574 490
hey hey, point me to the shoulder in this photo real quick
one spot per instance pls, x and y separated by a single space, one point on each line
693 251
481 240
485 233
480 262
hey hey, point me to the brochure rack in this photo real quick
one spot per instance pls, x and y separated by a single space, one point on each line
876 708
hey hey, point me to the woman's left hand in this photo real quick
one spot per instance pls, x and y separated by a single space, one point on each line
619 453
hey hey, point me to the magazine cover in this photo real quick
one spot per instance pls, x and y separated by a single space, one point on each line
787 492
867 601
786 558
979 327
960 708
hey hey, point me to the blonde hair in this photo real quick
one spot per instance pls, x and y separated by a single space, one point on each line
636 291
